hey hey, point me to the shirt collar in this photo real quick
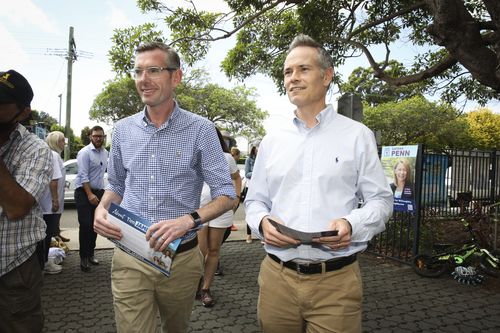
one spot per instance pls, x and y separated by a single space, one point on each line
20 131
144 120
323 118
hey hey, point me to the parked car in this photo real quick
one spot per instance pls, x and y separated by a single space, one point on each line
71 167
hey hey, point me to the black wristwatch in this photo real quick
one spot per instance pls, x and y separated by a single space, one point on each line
196 218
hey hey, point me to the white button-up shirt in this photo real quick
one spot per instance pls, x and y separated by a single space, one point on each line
308 177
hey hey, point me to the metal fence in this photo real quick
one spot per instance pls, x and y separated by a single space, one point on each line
454 183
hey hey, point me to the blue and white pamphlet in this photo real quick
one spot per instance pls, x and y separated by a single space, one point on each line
134 242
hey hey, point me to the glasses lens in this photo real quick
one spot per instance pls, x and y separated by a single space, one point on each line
136 72
154 71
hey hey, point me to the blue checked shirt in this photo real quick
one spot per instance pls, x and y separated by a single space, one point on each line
29 161
159 172
92 164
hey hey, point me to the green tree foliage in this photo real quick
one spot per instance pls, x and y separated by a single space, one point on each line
416 120
373 91
484 127
42 117
125 41
456 41
117 100
84 135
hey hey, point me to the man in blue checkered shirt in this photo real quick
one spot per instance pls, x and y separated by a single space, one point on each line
25 172
159 159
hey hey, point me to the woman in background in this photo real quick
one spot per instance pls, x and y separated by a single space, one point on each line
52 202
211 235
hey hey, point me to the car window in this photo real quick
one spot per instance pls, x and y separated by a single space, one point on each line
72 168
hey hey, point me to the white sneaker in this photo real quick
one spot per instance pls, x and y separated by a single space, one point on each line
249 239
51 267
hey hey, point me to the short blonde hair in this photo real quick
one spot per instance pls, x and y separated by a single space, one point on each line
52 140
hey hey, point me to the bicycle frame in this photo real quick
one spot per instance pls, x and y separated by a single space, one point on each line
459 256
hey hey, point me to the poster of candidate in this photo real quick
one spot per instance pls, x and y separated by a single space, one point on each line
399 165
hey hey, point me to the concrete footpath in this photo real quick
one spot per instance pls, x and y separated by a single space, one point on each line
395 298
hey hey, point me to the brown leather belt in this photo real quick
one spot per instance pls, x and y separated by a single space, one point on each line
187 246
316 268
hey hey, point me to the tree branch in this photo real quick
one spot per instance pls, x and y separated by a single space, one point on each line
406 10
236 29
432 71
456 30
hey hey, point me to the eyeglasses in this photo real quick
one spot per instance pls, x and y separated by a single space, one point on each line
153 72
98 136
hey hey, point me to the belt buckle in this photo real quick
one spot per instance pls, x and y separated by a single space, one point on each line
298 268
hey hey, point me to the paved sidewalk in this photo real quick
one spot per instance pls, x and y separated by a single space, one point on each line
396 299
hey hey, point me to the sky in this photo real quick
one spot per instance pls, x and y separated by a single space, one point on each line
34 32
34 35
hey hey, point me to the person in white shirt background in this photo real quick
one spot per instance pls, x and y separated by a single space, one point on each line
52 202
322 173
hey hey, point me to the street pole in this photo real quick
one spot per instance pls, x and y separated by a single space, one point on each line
60 106
71 58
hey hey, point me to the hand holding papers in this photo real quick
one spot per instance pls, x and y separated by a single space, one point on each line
304 237
134 242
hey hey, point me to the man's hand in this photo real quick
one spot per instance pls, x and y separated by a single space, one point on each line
274 237
55 205
103 227
93 199
164 232
342 240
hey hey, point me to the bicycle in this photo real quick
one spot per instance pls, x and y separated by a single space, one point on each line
435 265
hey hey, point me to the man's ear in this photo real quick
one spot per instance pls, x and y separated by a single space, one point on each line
328 76
177 77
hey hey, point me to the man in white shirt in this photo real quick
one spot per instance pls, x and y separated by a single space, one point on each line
323 173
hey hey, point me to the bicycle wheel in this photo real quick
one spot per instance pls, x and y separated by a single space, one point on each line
429 266
489 266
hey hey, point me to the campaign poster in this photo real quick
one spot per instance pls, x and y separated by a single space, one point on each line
399 166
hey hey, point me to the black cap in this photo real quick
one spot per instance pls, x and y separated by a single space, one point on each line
14 88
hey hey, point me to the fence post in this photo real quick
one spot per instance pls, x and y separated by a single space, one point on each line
418 196
493 176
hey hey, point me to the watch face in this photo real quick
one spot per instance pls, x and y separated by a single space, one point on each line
196 217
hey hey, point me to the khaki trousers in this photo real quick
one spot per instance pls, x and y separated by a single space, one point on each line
294 303
140 291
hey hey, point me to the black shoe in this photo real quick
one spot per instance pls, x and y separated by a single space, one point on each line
93 260
85 265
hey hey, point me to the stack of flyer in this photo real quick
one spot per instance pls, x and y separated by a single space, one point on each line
134 242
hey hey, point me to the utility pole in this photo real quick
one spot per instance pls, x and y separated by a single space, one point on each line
60 106
71 58
71 55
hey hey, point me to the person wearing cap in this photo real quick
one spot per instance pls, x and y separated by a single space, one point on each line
321 173
25 172
158 162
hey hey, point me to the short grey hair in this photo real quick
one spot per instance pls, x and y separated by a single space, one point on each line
172 57
324 59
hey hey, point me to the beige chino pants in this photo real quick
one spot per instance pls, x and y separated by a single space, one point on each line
140 290
318 303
